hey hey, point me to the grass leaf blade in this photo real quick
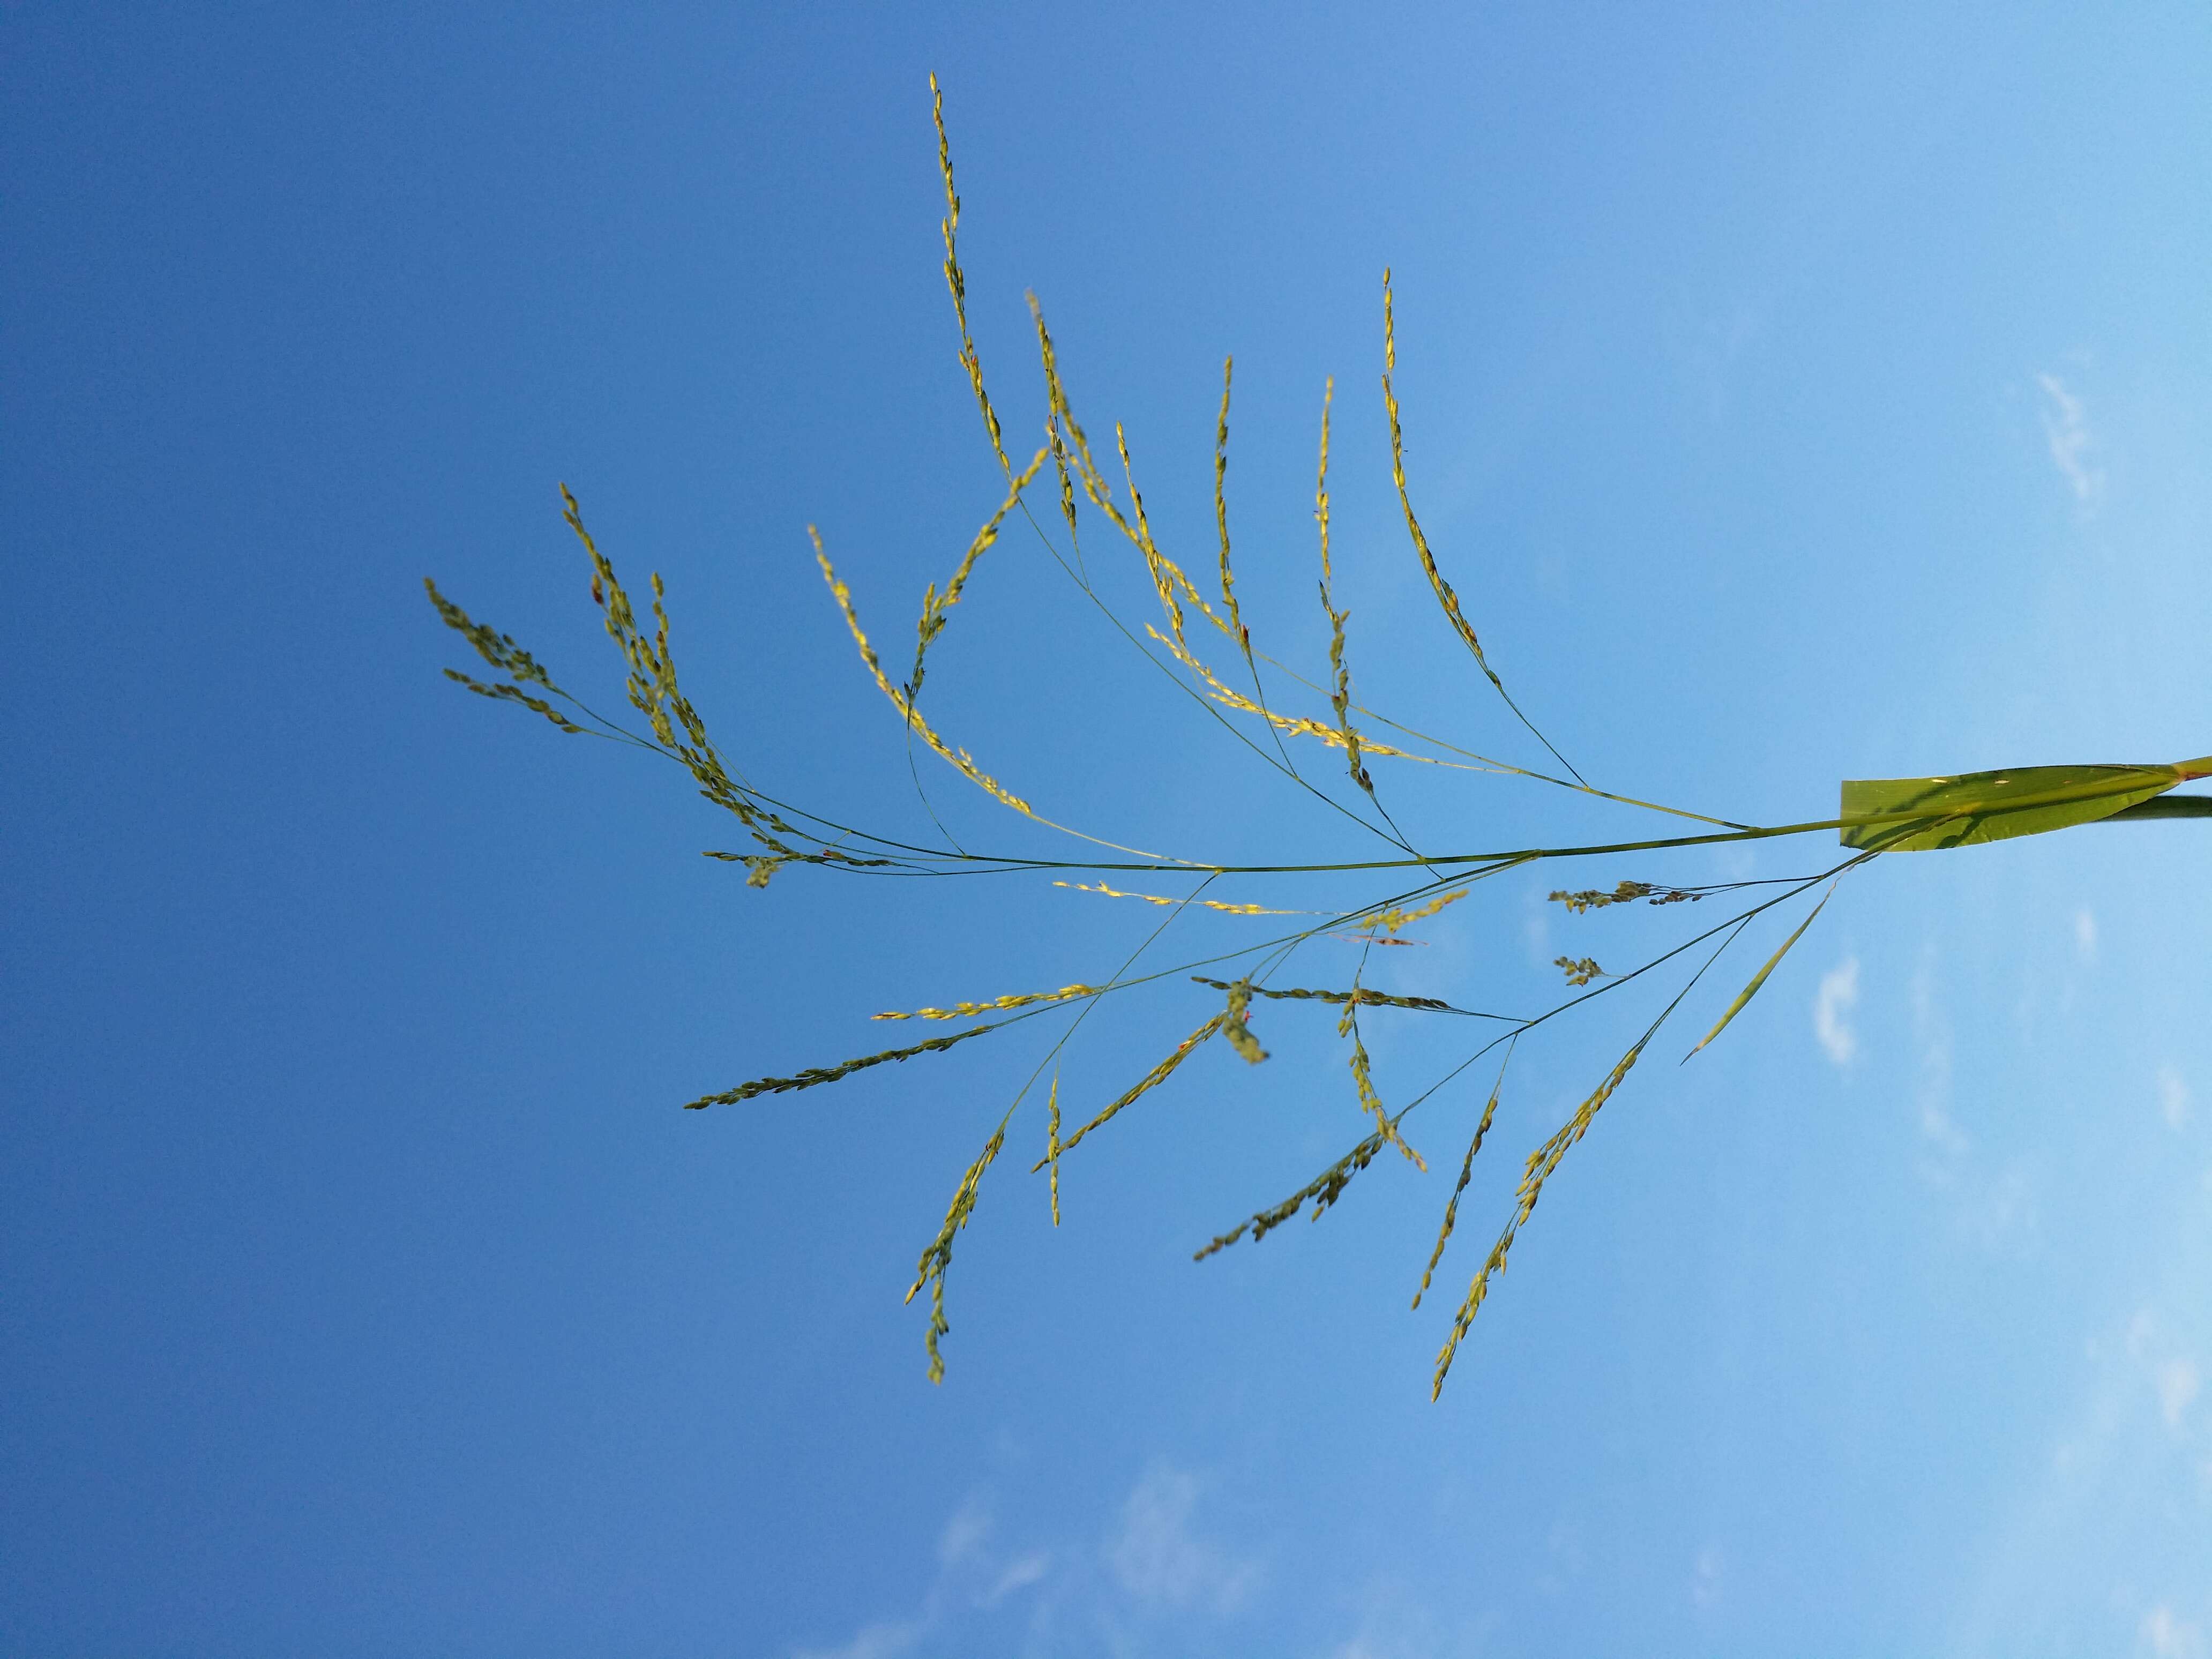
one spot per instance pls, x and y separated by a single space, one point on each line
1760 978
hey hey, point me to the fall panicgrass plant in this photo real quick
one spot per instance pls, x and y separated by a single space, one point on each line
1874 818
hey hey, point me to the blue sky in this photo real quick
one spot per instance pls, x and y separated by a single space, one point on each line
1789 396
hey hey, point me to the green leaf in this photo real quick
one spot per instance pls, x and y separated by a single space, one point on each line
1760 978
1985 807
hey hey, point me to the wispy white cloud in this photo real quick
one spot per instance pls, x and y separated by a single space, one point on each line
2085 933
1398 1621
1717 348
2172 1097
2002 1210
1705 1578
1154 1569
1160 1560
2178 1383
1944 1136
1019 1574
1535 929
964 1533
2066 428
970 1572
2167 1637
1995 1203
886 1640
2174 1373
1832 1004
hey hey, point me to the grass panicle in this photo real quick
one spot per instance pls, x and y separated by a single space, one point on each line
1874 817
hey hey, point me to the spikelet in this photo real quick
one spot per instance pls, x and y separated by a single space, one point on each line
1233 1026
815 1075
1222 905
958 283
1324 1190
1022 1000
938 1256
1466 1172
1542 1163
1579 971
1150 1080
